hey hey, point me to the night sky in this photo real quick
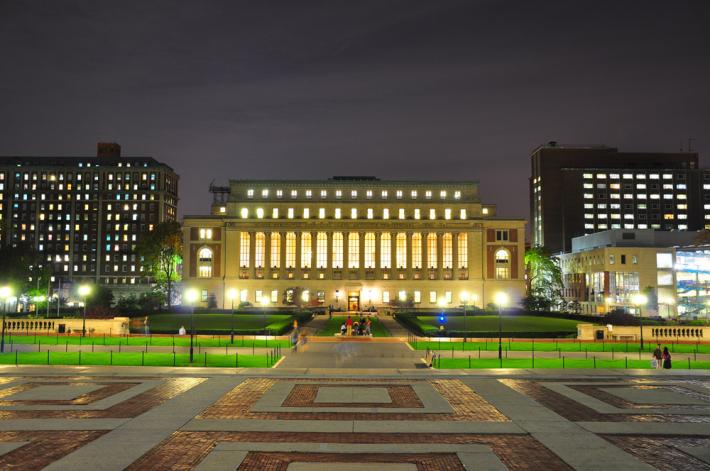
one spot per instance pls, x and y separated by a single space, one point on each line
310 89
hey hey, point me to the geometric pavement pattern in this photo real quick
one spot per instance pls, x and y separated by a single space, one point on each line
278 420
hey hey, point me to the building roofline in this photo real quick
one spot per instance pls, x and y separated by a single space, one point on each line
334 181
35 159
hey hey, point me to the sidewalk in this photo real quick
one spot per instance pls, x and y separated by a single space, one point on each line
394 327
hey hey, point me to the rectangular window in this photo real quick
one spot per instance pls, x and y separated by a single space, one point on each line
306 250
338 250
432 297
385 297
401 250
448 255
275 261
322 250
386 250
290 250
353 250
417 297
259 249
502 235
432 261
370 250
463 250
417 250
244 239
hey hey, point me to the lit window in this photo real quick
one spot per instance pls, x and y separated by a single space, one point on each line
244 240
265 193
432 213
338 194
417 214
502 264
260 213
206 234
290 250
667 176
306 213
385 297
457 195
385 213
338 250
587 196
417 297
353 194
386 251
204 263
401 214
413 194
463 250
294 193
432 261
384 194
402 296
353 250
222 209
370 250
368 194
399 194
321 250
484 211
417 250
306 250
448 251
321 213
353 213
250 193
447 213
370 213
275 261
432 297
588 175
275 213
338 213
462 214
427 194
601 175
401 250
289 213
259 249
245 213
323 194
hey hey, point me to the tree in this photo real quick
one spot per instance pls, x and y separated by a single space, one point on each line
24 268
160 251
544 280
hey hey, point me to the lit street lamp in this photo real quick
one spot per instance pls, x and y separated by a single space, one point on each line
191 298
232 294
639 301
5 295
501 300
84 291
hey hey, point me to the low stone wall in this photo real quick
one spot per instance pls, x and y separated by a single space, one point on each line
115 326
677 333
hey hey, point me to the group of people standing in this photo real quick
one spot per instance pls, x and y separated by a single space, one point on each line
363 326
661 358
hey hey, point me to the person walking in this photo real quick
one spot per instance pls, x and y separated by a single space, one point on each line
349 326
666 359
658 356
146 326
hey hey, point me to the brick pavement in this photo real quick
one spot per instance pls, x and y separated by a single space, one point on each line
272 419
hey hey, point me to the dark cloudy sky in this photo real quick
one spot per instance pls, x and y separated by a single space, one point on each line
310 89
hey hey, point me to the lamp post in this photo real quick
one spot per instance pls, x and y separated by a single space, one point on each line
232 293
442 315
639 301
5 295
501 300
264 302
464 300
191 298
84 291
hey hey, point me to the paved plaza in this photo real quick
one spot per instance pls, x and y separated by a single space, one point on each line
349 406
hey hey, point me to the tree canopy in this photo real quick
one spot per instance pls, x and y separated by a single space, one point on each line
160 251
544 280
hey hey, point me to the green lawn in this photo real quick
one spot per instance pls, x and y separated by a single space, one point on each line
461 363
136 359
220 323
430 325
564 346
164 341
333 326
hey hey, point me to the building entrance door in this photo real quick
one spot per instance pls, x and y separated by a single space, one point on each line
354 302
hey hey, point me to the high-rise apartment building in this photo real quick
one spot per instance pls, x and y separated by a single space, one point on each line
353 242
86 213
581 190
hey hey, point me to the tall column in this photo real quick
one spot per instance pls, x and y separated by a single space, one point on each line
282 254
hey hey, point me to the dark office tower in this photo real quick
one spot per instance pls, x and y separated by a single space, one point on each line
580 190
86 213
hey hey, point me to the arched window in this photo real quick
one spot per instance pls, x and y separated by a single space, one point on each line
502 260
204 262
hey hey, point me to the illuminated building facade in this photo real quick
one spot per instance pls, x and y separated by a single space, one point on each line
354 243
86 213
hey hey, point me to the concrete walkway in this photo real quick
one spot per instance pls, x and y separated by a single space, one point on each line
352 354
395 328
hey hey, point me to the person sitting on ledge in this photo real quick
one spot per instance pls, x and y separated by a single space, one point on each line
343 329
